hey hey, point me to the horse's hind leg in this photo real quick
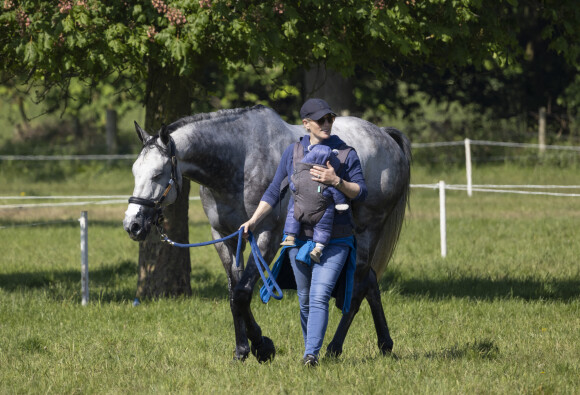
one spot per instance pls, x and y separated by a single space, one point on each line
360 290
369 288
374 298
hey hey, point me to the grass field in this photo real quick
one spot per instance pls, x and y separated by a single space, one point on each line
499 314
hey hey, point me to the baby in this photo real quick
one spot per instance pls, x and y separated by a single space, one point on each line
313 202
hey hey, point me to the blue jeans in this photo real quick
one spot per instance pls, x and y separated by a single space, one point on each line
315 284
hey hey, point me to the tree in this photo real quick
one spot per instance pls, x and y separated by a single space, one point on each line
175 45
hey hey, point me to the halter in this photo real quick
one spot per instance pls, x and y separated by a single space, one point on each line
156 204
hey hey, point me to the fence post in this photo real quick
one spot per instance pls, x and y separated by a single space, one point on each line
542 130
84 258
468 165
442 221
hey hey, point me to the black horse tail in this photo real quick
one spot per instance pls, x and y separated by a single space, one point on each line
394 221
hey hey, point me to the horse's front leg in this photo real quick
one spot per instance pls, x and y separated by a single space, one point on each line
262 346
227 253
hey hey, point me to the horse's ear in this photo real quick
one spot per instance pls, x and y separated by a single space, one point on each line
164 134
143 135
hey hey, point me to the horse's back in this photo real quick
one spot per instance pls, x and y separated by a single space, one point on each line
383 154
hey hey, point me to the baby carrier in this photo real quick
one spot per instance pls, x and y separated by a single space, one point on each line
310 201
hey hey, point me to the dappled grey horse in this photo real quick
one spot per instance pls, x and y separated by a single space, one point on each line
233 155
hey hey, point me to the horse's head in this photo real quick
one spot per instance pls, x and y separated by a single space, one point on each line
157 183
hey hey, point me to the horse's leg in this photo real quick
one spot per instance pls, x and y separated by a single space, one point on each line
360 290
385 342
366 286
227 253
262 347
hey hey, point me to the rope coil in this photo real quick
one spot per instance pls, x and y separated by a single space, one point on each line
258 258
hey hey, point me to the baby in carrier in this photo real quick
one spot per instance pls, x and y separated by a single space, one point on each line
314 203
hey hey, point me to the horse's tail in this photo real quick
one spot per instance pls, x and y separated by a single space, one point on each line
394 221
403 143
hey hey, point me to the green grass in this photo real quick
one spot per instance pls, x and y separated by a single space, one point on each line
499 314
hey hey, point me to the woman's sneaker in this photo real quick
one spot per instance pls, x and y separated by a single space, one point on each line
310 360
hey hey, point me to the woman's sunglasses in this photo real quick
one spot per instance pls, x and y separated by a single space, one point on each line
327 118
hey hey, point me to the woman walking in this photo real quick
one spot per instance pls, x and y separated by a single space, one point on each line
315 281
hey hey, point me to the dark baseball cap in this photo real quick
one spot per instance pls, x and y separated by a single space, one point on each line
315 109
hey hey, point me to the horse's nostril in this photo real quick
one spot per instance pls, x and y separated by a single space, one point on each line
135 229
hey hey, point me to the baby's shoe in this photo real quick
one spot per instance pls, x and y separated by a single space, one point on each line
289 241
315 254
341 208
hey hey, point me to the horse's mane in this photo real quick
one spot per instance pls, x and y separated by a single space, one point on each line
228 113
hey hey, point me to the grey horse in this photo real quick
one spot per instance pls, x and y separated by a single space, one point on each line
233 155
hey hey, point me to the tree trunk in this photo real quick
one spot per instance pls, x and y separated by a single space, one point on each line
330 86
165 270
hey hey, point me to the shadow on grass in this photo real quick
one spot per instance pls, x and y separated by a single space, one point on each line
484 349
117 282
530 288
107 284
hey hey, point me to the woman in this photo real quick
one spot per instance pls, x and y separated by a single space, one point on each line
316 281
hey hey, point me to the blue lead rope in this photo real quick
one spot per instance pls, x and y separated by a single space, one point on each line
269 282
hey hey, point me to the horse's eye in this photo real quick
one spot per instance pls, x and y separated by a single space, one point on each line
157 176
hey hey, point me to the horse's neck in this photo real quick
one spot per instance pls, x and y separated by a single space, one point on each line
216 154
202 155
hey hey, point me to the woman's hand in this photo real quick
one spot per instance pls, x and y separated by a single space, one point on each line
325 175
248 226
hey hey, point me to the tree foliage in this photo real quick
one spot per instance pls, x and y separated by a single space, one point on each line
52 41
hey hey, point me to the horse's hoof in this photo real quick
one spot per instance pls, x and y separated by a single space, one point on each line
240 356
386 348
265 350
333 350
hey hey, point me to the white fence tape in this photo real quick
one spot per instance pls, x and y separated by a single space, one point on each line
115 199
31 225
494 143
66 157
63 197
508 189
